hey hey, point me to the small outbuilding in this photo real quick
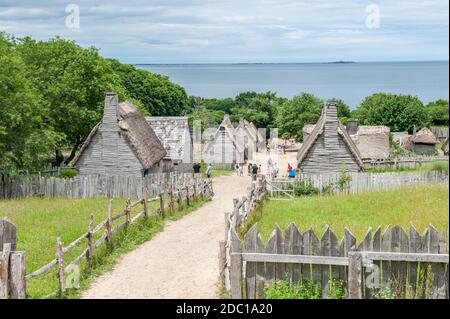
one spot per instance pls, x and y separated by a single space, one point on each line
123 143
329 147
424 142
175 136
372 141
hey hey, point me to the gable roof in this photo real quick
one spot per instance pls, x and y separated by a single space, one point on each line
424 136
244 125
318 130
230 130
173 132
372 141
137 132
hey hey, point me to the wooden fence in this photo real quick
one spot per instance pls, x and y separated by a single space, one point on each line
412 162
12 263
168 200
356 182
112 186
411 266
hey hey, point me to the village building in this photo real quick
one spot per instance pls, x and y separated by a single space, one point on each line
440 132
329 148
123 143
224 149
371 141
248 137
175 136
399 137
422 142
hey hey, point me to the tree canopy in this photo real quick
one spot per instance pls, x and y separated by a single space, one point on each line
438 112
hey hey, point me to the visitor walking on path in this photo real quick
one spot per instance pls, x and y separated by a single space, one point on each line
209 171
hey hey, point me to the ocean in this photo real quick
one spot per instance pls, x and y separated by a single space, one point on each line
351 82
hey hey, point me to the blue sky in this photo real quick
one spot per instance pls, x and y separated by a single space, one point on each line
219 31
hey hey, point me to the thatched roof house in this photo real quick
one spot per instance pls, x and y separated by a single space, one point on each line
329 147
424 142
224 148
248 138
123 143
372 141
175 136
399 137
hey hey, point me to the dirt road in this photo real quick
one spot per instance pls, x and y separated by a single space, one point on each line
181 261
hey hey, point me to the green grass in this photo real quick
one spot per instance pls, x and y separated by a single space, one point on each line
420 205
217 171
40 221
425 167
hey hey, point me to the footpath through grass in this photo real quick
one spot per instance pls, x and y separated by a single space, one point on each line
420 205
40 221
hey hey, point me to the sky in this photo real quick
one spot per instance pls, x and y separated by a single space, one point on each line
240 31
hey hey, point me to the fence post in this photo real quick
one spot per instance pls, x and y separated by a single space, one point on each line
161 203
354 275
128 212
109 224
17 271
195 189
145 204
172 206
187 196
60 259
4 266
236 266
227 225
222 261
90 251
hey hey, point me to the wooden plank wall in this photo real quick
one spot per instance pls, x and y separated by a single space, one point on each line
405 279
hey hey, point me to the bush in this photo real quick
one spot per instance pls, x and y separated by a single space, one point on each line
305 188
67 173
305 290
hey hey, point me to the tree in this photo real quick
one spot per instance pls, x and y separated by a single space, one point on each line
25 136
398 112
158 95
294 114
438 112
259 108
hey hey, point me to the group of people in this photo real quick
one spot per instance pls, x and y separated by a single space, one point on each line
197 168
272 169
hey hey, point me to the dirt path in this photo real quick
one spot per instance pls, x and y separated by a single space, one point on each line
181 261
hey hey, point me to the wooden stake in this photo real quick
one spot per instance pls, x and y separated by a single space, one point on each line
90 251
109 224
128 211
145 203
60 259
161 204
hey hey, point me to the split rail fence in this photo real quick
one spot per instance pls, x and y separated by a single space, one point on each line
414 161
168 201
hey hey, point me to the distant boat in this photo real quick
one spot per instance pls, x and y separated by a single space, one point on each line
341 62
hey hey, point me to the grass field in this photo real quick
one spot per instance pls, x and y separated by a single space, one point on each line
425 167
420 205
40 221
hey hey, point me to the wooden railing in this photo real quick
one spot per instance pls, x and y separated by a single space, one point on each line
411 266
170 199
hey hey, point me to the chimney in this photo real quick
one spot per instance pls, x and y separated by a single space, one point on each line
352 126
331 111
111 111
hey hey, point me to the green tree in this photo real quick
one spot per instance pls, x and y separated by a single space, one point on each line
25 135
294 114
438 112
72 81
158 95
399 112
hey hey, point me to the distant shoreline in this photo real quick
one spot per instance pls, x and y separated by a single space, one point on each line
291 63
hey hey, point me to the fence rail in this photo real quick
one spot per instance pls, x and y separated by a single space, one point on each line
169 200
111 186
356 182
411 266
412 161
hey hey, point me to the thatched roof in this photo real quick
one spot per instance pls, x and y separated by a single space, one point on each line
318 130
424 136
372 141
137 133
407 142
173 132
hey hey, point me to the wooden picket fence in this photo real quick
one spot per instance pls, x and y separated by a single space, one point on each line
357 183
110 186
411 161
169 200
411 266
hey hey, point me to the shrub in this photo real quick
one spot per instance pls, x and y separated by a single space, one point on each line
305 290
67 173
305 188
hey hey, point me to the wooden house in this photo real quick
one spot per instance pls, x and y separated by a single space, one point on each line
175 136
329 147
224 148
123 143
248 137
